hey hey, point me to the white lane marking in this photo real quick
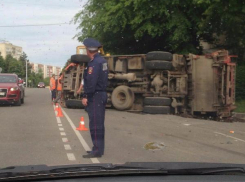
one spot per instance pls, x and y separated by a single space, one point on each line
187 124
58 120
67 147
71 156
62 133
81 139
64 139
230 136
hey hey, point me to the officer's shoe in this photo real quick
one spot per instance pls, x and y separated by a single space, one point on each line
90 155
89 151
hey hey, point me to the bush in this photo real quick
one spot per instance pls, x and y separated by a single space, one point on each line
240 82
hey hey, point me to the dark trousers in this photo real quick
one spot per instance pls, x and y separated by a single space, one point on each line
53 94
58 96
96 113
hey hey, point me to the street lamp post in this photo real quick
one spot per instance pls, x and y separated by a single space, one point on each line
26 74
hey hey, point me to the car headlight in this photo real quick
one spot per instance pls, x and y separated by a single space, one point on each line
14 89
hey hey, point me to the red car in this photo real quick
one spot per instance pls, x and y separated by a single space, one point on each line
11 89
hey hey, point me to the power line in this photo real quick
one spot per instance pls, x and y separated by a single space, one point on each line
27 3
33 25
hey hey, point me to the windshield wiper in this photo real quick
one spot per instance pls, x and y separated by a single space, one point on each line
45 172
207 171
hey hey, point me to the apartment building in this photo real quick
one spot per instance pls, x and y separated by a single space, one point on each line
46 69
6 48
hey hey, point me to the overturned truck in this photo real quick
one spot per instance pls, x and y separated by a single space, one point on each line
163 83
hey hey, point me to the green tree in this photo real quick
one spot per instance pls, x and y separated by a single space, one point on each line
240 83
12 65
2 64
36 78
46 81
15 67
223 24
23 59
139 26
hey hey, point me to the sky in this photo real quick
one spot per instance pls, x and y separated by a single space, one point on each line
51 45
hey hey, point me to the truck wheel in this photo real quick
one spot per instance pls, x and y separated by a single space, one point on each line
122 97
159 55
74 104
157 101
156 109
158 65
79 58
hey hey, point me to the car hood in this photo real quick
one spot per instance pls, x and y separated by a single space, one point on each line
8 85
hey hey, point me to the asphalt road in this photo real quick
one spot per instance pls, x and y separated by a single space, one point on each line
32 134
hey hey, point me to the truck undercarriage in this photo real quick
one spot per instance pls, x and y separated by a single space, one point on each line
163 83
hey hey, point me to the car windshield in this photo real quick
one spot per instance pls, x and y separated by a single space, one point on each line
106 81
7 79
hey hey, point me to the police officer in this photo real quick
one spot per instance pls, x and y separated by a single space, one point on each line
95 97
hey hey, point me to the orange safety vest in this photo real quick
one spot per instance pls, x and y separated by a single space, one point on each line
59 85
52 83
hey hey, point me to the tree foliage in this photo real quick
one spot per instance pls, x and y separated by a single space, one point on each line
36 78
240 83
12 65
223 24
140 26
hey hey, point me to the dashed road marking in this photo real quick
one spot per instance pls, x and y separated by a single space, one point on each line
81 139
67 147
58 120
71 156
230 136
62 133
64 139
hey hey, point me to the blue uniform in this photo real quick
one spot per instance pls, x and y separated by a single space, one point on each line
95 83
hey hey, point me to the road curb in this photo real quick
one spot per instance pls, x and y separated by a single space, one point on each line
239 115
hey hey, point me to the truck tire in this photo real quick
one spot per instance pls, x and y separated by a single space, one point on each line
156 109
159 55
80 58
157 101
158 65
74 104
122 97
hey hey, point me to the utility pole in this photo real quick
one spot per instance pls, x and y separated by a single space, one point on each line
26 75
